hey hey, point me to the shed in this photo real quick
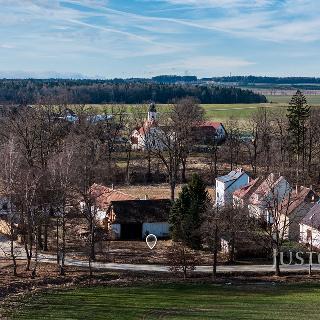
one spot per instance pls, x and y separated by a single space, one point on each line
135 219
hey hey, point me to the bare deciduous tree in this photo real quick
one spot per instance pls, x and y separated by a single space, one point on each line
181 259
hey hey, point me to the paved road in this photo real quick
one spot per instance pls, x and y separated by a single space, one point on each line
49 258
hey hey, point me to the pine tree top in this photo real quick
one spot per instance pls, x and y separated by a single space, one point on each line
298 107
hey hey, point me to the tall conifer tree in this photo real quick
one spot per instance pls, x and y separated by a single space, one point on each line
298 114
186 213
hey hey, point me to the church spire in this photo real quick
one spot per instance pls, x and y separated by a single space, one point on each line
152 113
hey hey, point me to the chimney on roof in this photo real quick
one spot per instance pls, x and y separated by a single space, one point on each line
239 170
112 187
271 177
146 197
311 187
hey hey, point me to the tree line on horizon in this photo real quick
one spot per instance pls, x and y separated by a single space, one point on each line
32 91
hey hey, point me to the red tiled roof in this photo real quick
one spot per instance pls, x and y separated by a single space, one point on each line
265 187
296 199
104 195
215 125
146 127
246 191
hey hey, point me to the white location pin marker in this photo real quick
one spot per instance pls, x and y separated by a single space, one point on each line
151 241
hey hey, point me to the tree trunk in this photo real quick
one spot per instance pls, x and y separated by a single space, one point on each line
34 270
310 154
232 249
90 268
215 164
39 236
28 252
149 167
45 235
172 190
57 241
215 254
92 251
128 166
92 241
297 169
277 263
13 257
183 170
63 249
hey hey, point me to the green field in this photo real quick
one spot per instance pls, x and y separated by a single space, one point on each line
214 112
223 112
217 112
312 99
179 301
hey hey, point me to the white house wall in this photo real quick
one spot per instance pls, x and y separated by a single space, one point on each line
151 139
220 186
225 190
220 132
304 235
159 229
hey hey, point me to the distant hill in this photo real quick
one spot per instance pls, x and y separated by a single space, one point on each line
277 83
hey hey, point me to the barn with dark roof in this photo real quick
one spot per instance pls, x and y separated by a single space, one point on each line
135 219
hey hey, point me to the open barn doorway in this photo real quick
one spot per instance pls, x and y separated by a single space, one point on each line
131 231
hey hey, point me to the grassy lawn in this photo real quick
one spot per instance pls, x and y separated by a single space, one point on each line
179 301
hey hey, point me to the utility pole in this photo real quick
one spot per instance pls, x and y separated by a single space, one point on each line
215 246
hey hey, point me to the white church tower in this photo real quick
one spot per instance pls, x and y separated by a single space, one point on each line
152 113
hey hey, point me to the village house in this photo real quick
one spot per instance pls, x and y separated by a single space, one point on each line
310 228
293 209
271 192
242 195
227 184
70 116
149 135
103 196
135 219
208 132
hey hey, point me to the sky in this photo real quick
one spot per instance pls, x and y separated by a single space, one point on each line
144 38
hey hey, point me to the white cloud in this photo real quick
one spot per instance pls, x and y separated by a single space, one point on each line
268 20
222 3
100 30
6 46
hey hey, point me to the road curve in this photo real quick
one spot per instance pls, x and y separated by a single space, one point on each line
69 261
263 268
